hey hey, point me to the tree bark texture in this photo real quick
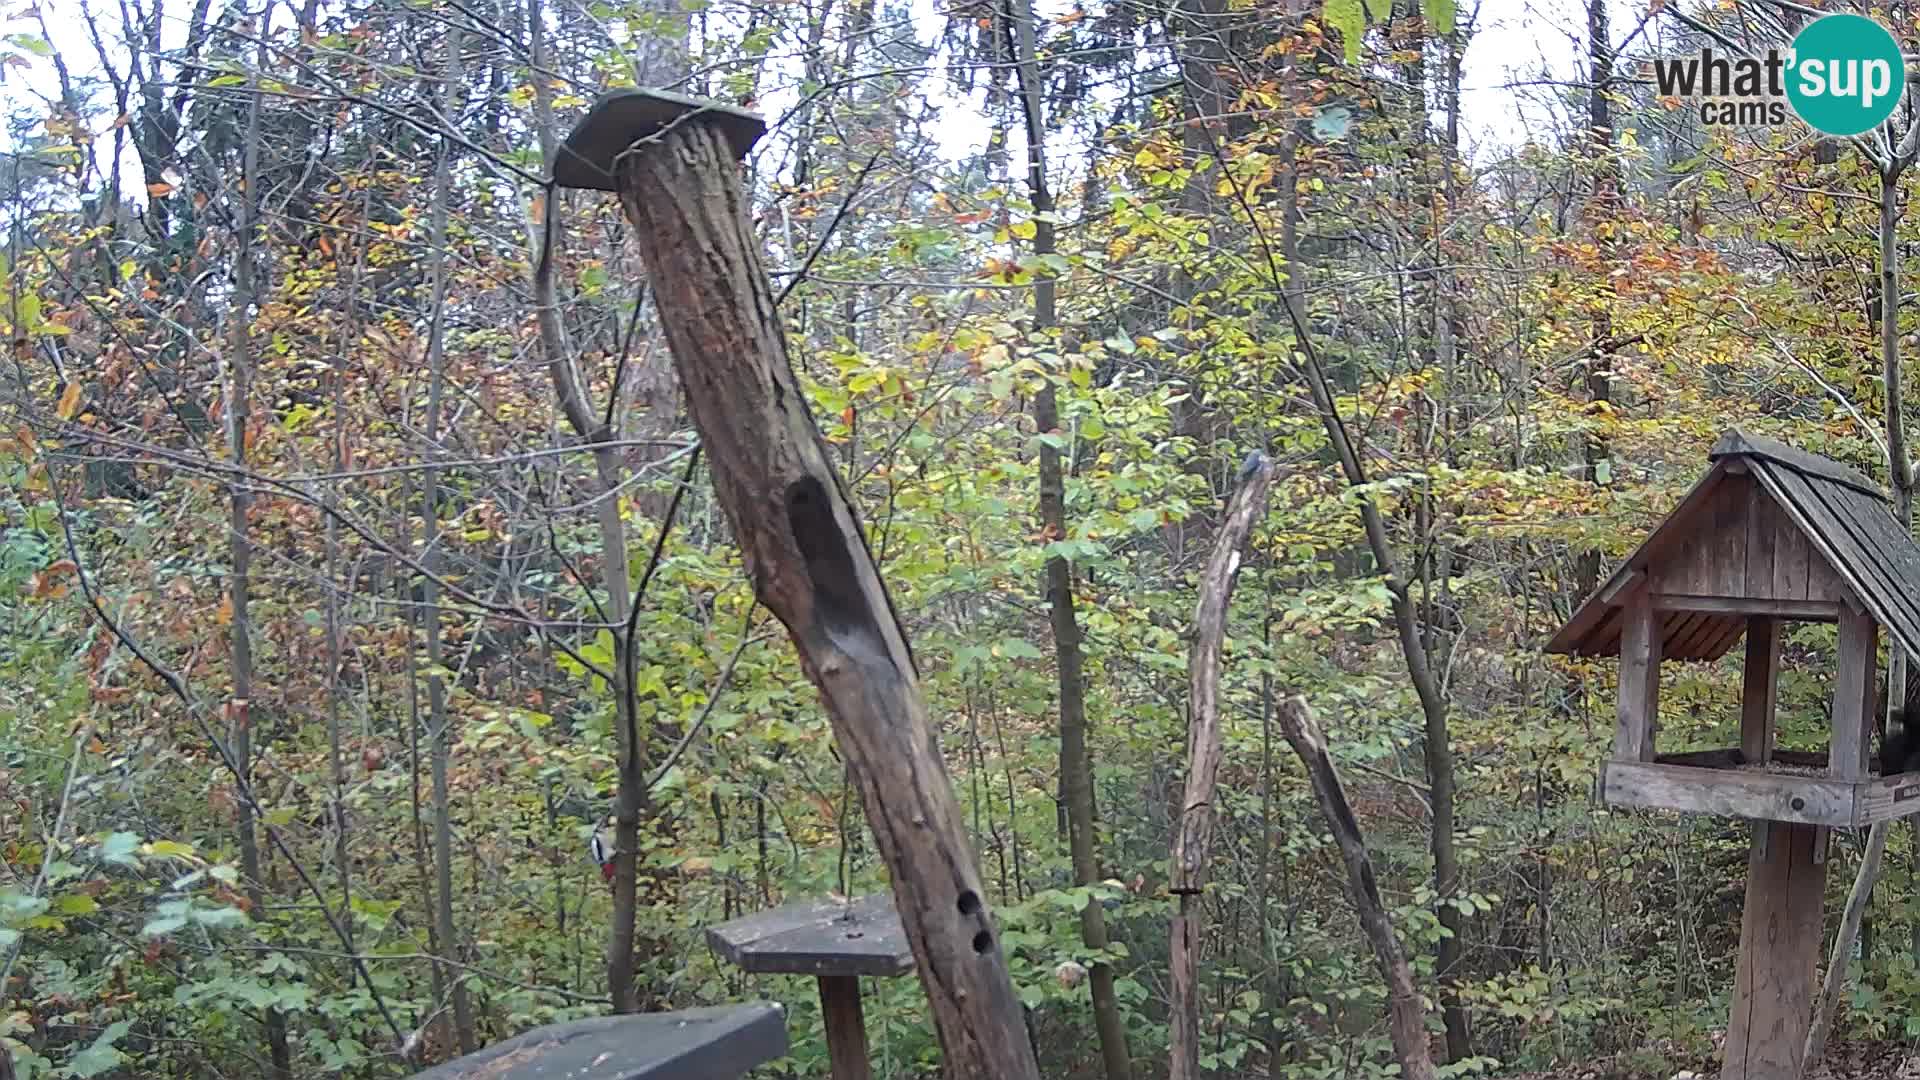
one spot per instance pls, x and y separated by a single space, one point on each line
807 555
1193 833
240 629
1076 763
1406 1011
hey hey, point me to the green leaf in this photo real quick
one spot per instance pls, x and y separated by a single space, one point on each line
76 904
1346 17
119 848
1017 649
102 1055
1439 15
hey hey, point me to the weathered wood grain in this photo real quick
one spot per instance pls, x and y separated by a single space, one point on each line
1406 1010
1759 688
1639 701
806 553
1809 800
1193 832
846 1026
719 1043
1853 695
1779 957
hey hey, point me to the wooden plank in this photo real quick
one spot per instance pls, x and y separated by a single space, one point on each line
846 1028
1809 800
1725 757
822 937
1725 552
1593 610
1853 692
1796 610
1831 530
1675 628
1886 542
1885 799
1779 956
1639 698
1792 553
1761 516
1706 633
719 1043
1760 688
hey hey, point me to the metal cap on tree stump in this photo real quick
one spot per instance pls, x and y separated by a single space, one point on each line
590 157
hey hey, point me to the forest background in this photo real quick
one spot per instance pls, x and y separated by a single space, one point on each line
345 556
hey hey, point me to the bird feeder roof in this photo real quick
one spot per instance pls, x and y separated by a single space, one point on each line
1768 525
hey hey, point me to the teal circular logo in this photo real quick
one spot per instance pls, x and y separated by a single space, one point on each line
1845 74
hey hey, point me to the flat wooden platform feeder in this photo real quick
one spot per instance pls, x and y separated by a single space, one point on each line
1791 786
721 1043
1771 535
836 942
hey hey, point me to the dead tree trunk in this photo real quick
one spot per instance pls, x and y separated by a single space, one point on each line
807 553
1406 1011
1193 835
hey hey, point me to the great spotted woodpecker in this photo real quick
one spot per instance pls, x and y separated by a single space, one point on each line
602 854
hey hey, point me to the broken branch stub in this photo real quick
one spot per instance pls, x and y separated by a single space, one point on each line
809 563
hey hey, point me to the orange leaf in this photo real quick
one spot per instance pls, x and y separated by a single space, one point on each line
159 188
69 400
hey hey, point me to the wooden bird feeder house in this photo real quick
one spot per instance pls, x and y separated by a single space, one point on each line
1769 536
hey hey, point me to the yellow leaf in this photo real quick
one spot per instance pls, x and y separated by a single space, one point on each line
69 400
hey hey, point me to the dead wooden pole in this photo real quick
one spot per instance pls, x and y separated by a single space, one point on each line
672 159
1406 1009
1193 833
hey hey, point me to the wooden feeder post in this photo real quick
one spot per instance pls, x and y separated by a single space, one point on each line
1770 535
673 161
835 942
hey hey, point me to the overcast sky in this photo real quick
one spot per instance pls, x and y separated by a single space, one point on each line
1521 55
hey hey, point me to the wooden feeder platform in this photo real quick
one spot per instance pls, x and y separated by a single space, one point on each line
836 942
721 1043
1791 786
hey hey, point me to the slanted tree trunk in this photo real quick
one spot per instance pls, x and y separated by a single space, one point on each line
1193 832
437 714
808 557
1406 1010
240 629
1076 763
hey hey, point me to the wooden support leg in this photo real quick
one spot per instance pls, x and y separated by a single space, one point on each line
1779 956
846 1027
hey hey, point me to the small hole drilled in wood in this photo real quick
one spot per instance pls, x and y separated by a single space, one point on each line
969 903
982 942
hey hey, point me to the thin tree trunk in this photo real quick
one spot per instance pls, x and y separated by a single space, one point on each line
1406 1011
437 713
1436 751
630 799
1836 978
1901 471
239 404
1193 832
1076 764
1602 209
